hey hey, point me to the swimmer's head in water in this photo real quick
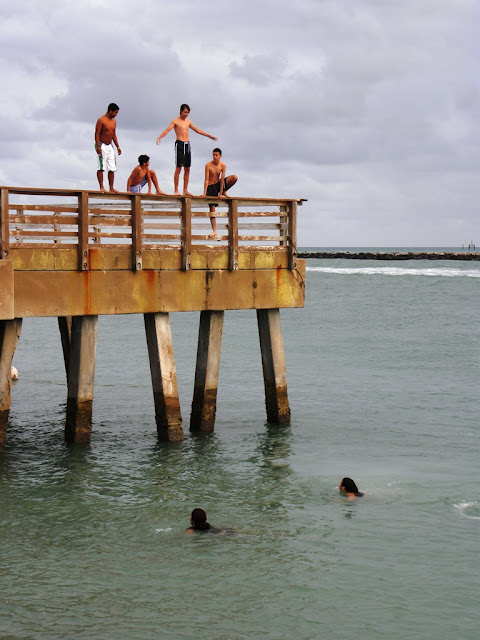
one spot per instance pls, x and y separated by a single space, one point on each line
348 486
199 519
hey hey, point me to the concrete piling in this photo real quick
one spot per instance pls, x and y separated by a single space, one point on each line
80 378
10 331
204 404
164 376
273 362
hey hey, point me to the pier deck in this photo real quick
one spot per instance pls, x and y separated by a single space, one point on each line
80 254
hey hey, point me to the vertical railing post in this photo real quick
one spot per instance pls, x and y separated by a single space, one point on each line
186 233
4 226
283 241
292 234
137 241
83 231
232 235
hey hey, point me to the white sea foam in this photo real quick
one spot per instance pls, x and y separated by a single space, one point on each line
469 509
400 271
167 530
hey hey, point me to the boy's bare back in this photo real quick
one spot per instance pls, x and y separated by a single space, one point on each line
138 174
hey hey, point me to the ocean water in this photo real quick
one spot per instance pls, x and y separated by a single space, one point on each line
383 377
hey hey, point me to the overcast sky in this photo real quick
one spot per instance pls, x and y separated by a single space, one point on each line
368 108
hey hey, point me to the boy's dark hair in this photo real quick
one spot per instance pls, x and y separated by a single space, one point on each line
113 107
199 520
350 487
184 106
143 159
217 149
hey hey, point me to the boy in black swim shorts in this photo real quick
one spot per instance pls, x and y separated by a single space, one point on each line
216 184
183 155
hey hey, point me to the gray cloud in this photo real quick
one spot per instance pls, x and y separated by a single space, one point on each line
368 109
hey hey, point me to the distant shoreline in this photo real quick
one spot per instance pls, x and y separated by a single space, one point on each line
396 255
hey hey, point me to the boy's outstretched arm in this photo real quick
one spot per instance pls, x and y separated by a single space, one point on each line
169 128
202 133
149 180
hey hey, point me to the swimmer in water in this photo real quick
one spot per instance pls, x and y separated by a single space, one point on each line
198 520
349 488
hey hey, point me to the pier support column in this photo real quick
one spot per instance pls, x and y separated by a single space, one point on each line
273 362
204 404
9 335
65 326
164 376
80 378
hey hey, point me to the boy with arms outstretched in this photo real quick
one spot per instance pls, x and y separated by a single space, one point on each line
183 154
142 175
216 184
105 134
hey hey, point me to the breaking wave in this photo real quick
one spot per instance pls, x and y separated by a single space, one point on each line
400 271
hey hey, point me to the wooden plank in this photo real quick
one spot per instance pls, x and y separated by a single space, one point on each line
42 232
49 207
26 219
159 213
102 221
160 225
162 236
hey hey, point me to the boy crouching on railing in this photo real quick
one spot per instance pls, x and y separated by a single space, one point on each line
142 175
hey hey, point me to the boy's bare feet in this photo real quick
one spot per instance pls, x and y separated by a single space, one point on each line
187 193
161 193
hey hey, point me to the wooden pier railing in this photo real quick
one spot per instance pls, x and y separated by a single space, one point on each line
136 223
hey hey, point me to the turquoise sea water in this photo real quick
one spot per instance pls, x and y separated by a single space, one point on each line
383 374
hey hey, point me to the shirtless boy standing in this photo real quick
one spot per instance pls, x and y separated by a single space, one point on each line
142 175
104 136
216 184
183 154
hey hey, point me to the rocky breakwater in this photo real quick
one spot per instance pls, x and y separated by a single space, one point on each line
407 255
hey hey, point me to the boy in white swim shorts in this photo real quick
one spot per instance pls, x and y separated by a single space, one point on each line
105 138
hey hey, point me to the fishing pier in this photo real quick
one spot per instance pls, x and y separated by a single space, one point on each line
77 254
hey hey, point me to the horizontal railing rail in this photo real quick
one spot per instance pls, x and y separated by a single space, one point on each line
42 218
